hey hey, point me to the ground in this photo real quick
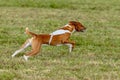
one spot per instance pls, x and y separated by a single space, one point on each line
95 56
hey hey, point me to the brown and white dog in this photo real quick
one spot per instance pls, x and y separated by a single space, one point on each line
57 38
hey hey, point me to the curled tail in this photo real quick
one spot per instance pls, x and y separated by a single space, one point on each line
29 33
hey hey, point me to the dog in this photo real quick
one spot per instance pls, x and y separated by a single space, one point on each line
56 38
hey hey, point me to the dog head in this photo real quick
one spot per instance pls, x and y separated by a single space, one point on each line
78 26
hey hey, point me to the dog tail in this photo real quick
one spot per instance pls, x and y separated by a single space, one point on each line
29 33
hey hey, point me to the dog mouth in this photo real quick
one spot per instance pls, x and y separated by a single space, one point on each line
82 30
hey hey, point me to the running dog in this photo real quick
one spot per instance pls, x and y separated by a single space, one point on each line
56 38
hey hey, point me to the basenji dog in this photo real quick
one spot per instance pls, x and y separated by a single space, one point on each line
56 38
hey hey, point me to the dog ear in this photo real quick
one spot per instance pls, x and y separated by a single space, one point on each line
73 23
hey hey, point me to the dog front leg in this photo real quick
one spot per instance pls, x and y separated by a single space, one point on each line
70 44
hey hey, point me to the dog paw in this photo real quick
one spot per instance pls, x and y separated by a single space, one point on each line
13 56
26 57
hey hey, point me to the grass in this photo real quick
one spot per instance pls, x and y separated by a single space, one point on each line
95 57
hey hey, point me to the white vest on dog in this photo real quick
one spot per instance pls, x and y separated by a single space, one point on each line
58 32
61 31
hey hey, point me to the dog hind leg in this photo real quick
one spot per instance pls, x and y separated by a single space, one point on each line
25 45
36 45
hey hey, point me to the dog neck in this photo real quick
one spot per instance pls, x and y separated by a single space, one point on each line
69 27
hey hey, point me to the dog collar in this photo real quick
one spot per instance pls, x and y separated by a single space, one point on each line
68 25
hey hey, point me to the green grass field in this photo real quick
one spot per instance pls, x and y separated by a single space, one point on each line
97 52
